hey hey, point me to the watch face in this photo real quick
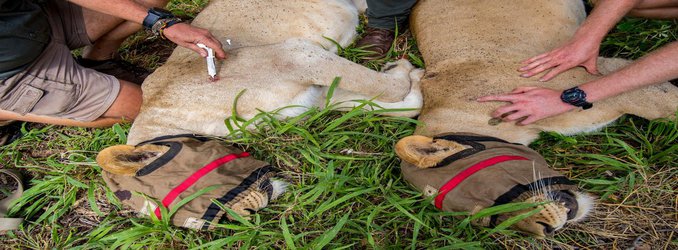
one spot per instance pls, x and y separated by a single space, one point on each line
575 97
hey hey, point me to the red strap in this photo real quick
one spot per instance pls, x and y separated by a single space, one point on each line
457 179
172 195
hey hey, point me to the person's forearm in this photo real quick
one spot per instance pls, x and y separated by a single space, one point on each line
605 15
125 9
657 67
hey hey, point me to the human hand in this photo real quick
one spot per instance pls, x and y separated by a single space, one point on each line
528 104
188 36
576 52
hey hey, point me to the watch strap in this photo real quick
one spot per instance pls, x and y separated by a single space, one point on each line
154 15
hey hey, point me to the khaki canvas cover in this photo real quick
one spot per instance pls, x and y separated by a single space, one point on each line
192 164
497 172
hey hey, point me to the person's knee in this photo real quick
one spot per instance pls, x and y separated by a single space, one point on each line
127 104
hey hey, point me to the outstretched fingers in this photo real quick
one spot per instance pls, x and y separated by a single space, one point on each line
507 112
540 63
576 52
522 89
528 120
534 64
514 112
554 72
528 104
500 98
501 111
533 59
510 97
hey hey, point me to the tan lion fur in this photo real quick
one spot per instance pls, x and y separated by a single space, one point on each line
279 57
472 48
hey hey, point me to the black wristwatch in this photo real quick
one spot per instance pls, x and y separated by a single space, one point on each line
155 14
575 97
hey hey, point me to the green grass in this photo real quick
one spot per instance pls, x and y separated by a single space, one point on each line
346 188
635 37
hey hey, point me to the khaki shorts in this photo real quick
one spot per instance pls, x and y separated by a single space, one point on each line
55 85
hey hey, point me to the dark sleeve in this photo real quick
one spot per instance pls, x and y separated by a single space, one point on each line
24 33
8 5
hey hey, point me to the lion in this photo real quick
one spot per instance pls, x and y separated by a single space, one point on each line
472 48
280 56
173 168
464 158
470 172
283 54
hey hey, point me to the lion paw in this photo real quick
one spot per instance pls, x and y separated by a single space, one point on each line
398 67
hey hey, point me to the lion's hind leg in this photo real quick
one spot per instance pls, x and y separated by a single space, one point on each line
410 106
307 63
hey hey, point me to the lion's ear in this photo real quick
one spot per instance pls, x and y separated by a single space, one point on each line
425 152
127 159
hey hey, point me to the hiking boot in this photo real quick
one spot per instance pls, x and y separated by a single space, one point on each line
122 70
10 131
376 40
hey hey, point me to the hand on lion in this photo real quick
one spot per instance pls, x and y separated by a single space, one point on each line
188 36
577 52
582 49
528 104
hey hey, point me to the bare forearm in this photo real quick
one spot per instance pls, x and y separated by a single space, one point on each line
657 67
125 9
605 15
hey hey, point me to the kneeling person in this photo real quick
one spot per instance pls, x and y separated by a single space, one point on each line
40 81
